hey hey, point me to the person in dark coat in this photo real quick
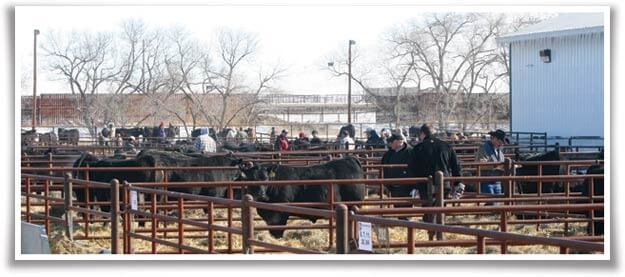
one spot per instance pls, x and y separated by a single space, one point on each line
373 140
315 139
399 153
429 156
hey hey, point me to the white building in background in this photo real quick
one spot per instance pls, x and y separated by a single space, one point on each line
557 80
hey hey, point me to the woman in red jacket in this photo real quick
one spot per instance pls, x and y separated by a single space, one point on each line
284 143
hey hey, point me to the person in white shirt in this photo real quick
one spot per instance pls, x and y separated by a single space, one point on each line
205 144
347 140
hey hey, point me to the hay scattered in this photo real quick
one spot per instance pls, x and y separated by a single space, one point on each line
311 239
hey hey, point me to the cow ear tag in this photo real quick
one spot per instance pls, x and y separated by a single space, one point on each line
272 174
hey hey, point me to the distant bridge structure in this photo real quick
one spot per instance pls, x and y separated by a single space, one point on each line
318 108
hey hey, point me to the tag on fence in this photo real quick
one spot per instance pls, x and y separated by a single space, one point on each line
364 236
133 200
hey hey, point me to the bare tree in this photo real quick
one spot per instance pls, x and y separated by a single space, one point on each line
85 61
226 77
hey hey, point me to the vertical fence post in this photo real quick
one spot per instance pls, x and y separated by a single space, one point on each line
351 228
410 240
28 189
247 221
440 198
46 206
128 218
114 216
342 231
67 191
481 245
428 202
87 187
230 196
180 225
591 193
154 221
504 228
211 244
508 189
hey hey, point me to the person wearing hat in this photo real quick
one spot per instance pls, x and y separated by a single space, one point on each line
491 151
130 145
302 141
428 157
398 153
373 140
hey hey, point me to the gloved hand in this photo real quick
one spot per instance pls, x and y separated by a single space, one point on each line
458 192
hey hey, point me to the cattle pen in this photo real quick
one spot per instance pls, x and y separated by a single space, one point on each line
147 218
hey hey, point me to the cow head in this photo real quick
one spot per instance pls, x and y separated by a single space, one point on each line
252 172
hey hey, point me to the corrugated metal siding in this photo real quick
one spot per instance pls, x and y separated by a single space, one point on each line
564 97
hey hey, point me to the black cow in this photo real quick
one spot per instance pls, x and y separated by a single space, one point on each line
68 136
532 170
135 132
598 190
168 158
48 139
245 147
154 158
345 168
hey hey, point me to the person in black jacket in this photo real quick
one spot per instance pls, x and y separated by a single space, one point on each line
399 153
432 155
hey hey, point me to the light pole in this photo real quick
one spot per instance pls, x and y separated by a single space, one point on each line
349 79
36 32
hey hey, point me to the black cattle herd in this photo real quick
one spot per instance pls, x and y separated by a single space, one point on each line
347 167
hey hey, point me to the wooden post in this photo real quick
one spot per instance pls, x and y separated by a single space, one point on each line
342 231
28 216
247 221
67 190
504 228
508 189
154 221
440 198
211 244
410 240
351 228
481 245
128 219
230 196
180 225
114 216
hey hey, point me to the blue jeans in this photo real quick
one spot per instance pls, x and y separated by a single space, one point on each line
491 188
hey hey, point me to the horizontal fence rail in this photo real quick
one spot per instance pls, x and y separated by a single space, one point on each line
147 213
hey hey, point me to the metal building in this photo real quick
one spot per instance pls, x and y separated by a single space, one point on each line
556 75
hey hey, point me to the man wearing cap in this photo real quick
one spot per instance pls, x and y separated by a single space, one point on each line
398 153
302 141
491 151
428 157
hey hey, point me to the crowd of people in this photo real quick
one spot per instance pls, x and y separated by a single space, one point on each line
418 147
432 154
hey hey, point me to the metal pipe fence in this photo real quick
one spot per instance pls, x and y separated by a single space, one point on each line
183 199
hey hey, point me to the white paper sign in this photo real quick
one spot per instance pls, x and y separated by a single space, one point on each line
364 236
133 200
